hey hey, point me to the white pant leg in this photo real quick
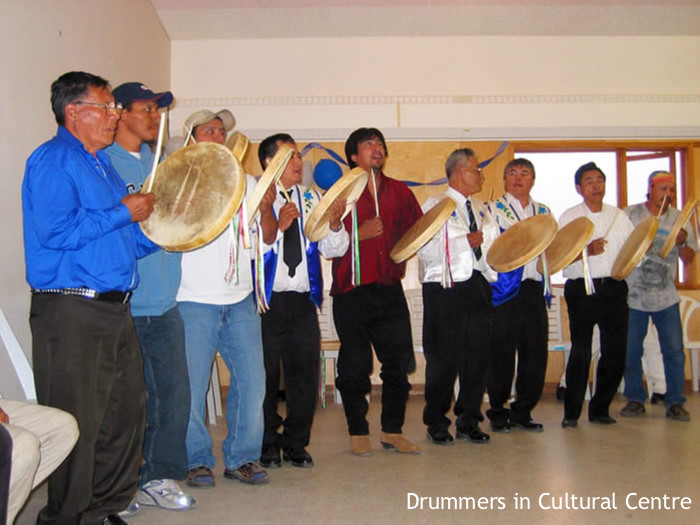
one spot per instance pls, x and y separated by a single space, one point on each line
47 432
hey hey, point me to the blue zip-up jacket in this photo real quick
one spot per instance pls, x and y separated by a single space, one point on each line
76 230
160 272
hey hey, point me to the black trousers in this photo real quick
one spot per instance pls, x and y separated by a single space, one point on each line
87 362
5 470
608 309
291 336
456 336
373 316
519 324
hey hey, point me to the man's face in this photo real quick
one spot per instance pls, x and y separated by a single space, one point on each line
661 190
212 131
370 154
293 172
592 187
518 181
142 120
470 174
93 126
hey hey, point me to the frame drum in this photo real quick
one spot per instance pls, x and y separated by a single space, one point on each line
198 190
521 243
423 230
634 248
677 226
270 177
349 187
567 245
238 144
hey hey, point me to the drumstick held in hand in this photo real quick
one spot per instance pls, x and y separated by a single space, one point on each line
611 224
159 149
189 134
376 197
286 195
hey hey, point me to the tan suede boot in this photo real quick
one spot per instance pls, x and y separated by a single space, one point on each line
398 443
360 446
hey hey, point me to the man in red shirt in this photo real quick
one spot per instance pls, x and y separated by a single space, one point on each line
374 312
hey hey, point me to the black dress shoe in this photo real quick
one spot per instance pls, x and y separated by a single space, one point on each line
270 458
112 519
440 437
298 458
602 420
502 427
569 423
658 399
530 425
473 434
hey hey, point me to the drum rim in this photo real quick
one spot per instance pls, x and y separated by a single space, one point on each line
685 214
271 175
238 143
427 226
622 268
353 181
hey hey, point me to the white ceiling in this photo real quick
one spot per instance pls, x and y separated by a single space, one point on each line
233 19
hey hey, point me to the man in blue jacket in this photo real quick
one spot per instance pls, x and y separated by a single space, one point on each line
156 316
81 243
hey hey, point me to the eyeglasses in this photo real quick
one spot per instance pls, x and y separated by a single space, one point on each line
107 108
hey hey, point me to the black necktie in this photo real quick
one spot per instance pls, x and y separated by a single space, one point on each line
472 228
292 243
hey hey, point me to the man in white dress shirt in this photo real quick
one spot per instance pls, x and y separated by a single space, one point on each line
457 305
520 315
606 307
290 329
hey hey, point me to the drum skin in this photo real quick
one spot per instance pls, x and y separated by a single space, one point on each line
521 243
198 189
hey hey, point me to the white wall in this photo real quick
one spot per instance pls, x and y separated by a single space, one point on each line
436 87
121 40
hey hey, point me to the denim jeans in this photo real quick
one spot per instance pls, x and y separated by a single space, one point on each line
668 325
162 342
233 330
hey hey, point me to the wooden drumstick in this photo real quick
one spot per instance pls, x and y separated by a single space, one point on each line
286 195
376 197
661 209
159 148
611 224
189 135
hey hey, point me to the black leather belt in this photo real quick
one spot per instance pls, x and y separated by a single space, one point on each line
113 296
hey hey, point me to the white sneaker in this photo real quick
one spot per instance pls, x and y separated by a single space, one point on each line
166 494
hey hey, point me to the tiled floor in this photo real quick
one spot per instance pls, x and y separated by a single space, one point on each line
651 456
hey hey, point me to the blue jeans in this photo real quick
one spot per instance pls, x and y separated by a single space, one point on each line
668 325
162 342
233 330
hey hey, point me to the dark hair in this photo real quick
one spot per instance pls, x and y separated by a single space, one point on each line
457 156
589 166
361 135
519 162
68 88
268 147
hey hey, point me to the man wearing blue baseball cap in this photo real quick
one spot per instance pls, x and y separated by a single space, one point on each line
156 317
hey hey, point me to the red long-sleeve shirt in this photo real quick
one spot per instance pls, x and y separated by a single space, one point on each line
398 209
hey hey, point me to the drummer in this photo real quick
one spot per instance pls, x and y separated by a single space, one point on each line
374 313
221 314
290 328
652 294
156 316
457 315
607 307
520 315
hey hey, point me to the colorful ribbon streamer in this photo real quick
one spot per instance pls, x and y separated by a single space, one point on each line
260 296
316 145
447 280
355 247
545 278
587 278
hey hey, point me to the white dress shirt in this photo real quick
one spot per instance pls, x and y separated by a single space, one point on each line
462 258
332 245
